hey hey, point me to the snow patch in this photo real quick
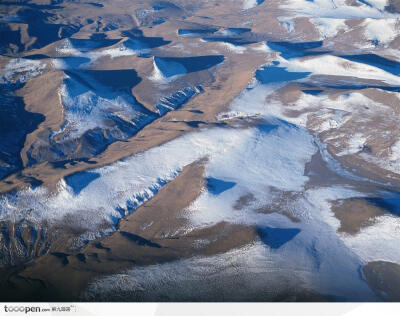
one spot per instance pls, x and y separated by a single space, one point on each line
249 4
395 152
337 66
21 69
288 23
382 30
332 9
329 27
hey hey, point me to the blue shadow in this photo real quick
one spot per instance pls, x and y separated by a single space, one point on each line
237 41
390 204
194 32
276 237
79 181
271 74
172 66
292 50
217 186
314 92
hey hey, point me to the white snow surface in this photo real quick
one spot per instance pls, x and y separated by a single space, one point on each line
21 69
249 4
329 27
92 54
86 109
337 66
334 9
382 30
395 152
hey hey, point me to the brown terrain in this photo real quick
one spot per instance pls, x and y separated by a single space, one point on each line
88 88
